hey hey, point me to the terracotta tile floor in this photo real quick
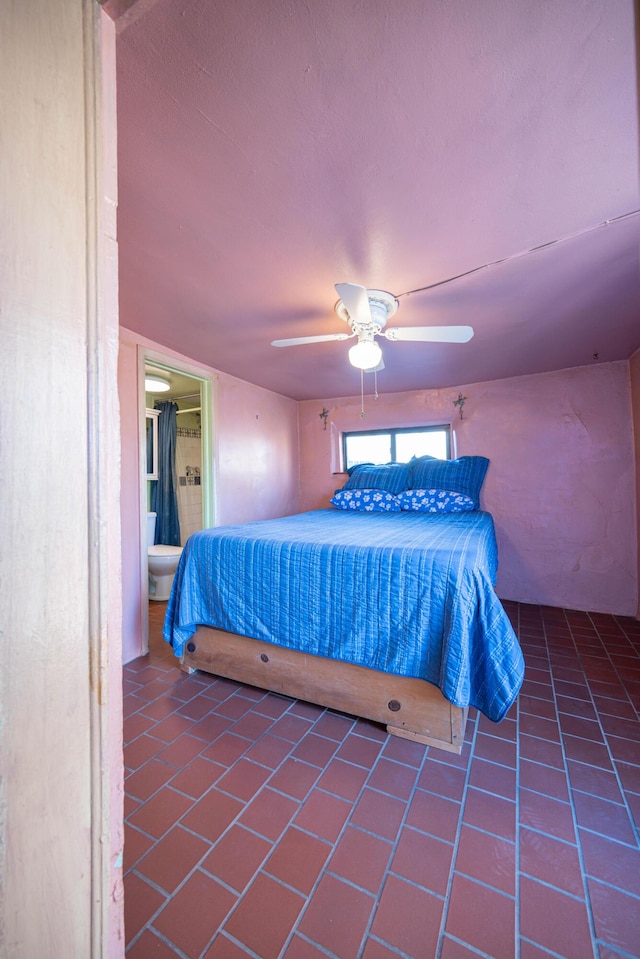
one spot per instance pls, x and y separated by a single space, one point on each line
259 826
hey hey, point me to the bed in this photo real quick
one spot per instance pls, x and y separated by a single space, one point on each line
385 613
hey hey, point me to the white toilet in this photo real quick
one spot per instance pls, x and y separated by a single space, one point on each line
162 560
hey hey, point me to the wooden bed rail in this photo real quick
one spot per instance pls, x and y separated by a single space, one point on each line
411 708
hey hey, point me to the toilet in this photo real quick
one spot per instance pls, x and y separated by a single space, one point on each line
162 561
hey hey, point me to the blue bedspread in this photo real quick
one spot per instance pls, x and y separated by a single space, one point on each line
406 593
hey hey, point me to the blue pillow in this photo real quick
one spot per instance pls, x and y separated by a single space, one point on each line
434 501
366 500
357 466
392 477
464 475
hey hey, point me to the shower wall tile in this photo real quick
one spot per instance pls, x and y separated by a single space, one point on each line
188 458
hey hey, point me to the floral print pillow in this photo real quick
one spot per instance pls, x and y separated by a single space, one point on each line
434 501
366 500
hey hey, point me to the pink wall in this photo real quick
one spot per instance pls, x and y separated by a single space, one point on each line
256 444
634 366
561 484
257 453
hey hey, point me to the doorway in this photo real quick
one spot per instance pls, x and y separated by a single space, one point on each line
194 393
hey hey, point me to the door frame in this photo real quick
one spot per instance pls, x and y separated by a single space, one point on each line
208 381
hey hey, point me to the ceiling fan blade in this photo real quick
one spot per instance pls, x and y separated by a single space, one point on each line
322 338
430 334
356 301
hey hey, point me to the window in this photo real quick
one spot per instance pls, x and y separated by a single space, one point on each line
396 445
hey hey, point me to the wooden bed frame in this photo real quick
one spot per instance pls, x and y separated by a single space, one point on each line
411 708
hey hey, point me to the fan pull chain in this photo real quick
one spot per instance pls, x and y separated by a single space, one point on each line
362 413
375 384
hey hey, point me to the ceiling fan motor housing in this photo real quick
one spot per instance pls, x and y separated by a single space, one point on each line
382 306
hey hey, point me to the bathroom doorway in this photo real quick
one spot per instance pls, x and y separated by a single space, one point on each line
193 393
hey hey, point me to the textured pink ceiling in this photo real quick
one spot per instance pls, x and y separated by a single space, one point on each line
269 149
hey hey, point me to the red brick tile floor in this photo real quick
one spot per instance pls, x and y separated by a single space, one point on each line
260 826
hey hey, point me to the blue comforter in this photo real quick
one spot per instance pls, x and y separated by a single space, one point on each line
406 593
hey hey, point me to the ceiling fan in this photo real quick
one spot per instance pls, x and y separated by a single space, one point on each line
366 312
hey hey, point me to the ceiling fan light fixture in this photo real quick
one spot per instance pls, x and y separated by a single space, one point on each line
365 355
154 383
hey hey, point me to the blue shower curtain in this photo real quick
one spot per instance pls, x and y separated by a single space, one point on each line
164 501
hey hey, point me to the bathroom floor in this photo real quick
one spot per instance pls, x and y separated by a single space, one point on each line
260 826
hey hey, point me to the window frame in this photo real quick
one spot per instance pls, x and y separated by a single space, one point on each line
392 432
